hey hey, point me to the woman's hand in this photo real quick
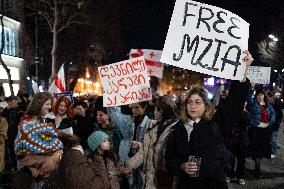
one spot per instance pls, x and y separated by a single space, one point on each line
189 167
125 170
248 58
136 145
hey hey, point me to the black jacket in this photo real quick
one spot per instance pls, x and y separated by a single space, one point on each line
229 113
205 142
83 128
13 117
277 106
66 123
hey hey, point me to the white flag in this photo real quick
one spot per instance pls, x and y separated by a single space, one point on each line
35 87
58 85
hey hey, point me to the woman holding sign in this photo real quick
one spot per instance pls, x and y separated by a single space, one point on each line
195 152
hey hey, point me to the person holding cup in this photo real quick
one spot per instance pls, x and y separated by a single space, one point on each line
195 150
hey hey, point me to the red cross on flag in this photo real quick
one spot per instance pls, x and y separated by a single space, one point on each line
58 84
152 60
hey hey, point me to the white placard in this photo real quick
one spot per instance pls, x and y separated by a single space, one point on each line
125 82
206 39
260 75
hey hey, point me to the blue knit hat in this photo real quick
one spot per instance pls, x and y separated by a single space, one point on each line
96 138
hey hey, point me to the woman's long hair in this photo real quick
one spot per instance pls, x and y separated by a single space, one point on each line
168 108
35 106
68 104
209 108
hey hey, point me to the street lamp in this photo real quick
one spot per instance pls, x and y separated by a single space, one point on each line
271 36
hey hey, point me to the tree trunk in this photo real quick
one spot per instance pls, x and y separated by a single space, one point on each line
53 56
1 51
54 44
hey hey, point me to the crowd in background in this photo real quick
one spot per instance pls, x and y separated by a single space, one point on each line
56 143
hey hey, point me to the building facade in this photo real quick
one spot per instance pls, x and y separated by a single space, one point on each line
12 54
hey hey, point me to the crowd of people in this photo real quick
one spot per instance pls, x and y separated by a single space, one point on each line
193 142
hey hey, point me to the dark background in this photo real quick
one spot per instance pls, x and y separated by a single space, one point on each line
146 22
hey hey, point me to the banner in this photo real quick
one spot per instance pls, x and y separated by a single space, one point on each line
152 59
206 39
125 82
258 74
58 85
67 94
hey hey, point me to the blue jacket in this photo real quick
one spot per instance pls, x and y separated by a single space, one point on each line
255 112
125 124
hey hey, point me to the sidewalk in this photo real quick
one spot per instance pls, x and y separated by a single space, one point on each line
272 169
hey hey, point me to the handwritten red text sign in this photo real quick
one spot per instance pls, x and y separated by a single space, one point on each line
125 82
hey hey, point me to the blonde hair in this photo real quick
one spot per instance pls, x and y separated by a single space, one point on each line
209 107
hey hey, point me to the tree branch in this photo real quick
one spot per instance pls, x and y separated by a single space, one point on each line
68 3
47 17
72 20
46 2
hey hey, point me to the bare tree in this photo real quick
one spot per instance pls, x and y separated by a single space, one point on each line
2 49
59 15
271 51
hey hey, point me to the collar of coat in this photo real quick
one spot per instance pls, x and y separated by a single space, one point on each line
167 122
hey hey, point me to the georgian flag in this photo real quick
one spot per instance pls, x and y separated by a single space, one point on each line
58 85
152 60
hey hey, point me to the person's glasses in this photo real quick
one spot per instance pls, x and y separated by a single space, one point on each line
196 104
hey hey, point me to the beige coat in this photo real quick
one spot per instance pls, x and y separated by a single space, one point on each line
151 155
3 137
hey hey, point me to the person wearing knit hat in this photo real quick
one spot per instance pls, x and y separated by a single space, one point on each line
46 164
104 161
37 139
96 139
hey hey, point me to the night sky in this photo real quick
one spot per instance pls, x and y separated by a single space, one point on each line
146 21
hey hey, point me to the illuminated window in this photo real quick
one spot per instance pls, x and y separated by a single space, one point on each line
9 41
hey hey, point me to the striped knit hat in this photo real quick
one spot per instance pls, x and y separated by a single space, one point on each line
36 138
96 138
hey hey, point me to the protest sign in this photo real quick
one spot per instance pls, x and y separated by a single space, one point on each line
67 94
258 74
152 60
125 82
206 39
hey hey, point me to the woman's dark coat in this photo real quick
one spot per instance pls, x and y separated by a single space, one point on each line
207 142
